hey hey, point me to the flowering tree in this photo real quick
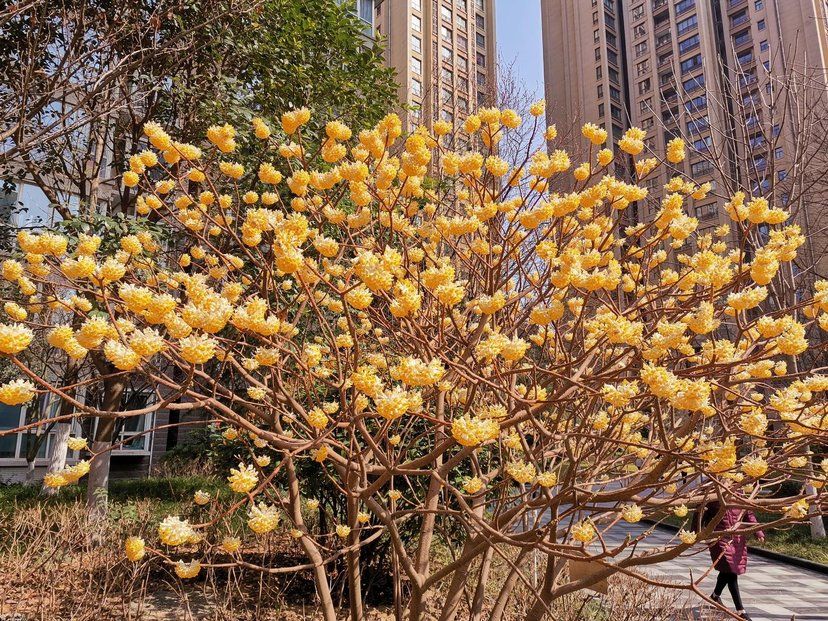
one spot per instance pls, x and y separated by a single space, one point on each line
454 345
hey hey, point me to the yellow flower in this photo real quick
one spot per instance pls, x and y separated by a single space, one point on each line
243 479
798 510
537 108
187 570
363 517
394 494
471 431
14 338
680 511
473 485
174 531
342 530
583 531
198 349
687 537
17 392
754 467
675 151
263 518
594 134
547 479
76 444
521 472
632 513
134 548
231 545
201 497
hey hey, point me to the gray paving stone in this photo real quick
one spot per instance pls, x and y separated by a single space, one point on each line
771 591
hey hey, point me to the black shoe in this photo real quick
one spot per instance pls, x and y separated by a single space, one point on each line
745 616
716 598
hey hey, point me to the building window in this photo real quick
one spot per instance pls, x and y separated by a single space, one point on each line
463 84
741 38
601 109
702 145
447 97
416 66
701 168
446 54
416 44
614 76
462 23
689 44
697 126
463 63
758 5
416 24
595 18
481 79
645 105
638 12
462 104
760 24
481 60
643 67
478 4
445 33
598 53
684 6
16 446
647 123
481 23
763 46
686 24
460 4
693 84
600 91
447 74
461 42
480 40
779 153
645 86
416 5
705 211
445 13
639 31
416 88
691 64
641 48
696 103
596 36
599 72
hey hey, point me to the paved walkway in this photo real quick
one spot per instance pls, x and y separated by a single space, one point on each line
771 591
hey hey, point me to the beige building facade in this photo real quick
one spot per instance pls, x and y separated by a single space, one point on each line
444 53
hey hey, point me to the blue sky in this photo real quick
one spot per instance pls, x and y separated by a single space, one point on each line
519 38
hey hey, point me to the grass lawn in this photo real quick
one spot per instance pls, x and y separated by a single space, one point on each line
163 491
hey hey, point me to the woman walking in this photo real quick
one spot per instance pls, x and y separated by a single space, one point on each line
729 553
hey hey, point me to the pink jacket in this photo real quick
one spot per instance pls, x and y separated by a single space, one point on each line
729 554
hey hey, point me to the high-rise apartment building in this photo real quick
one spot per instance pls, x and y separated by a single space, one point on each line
443 52
705 70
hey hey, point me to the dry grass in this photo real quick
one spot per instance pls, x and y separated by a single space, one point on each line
56 563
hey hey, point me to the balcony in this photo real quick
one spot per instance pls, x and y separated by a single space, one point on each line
732 5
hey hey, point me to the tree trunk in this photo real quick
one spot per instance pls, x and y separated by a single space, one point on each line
352 557
817 522
57 459
544 598
98 482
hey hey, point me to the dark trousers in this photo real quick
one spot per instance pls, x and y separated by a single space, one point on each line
730 580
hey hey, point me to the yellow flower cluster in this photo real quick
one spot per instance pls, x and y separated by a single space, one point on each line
243 479
471 430
262 518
